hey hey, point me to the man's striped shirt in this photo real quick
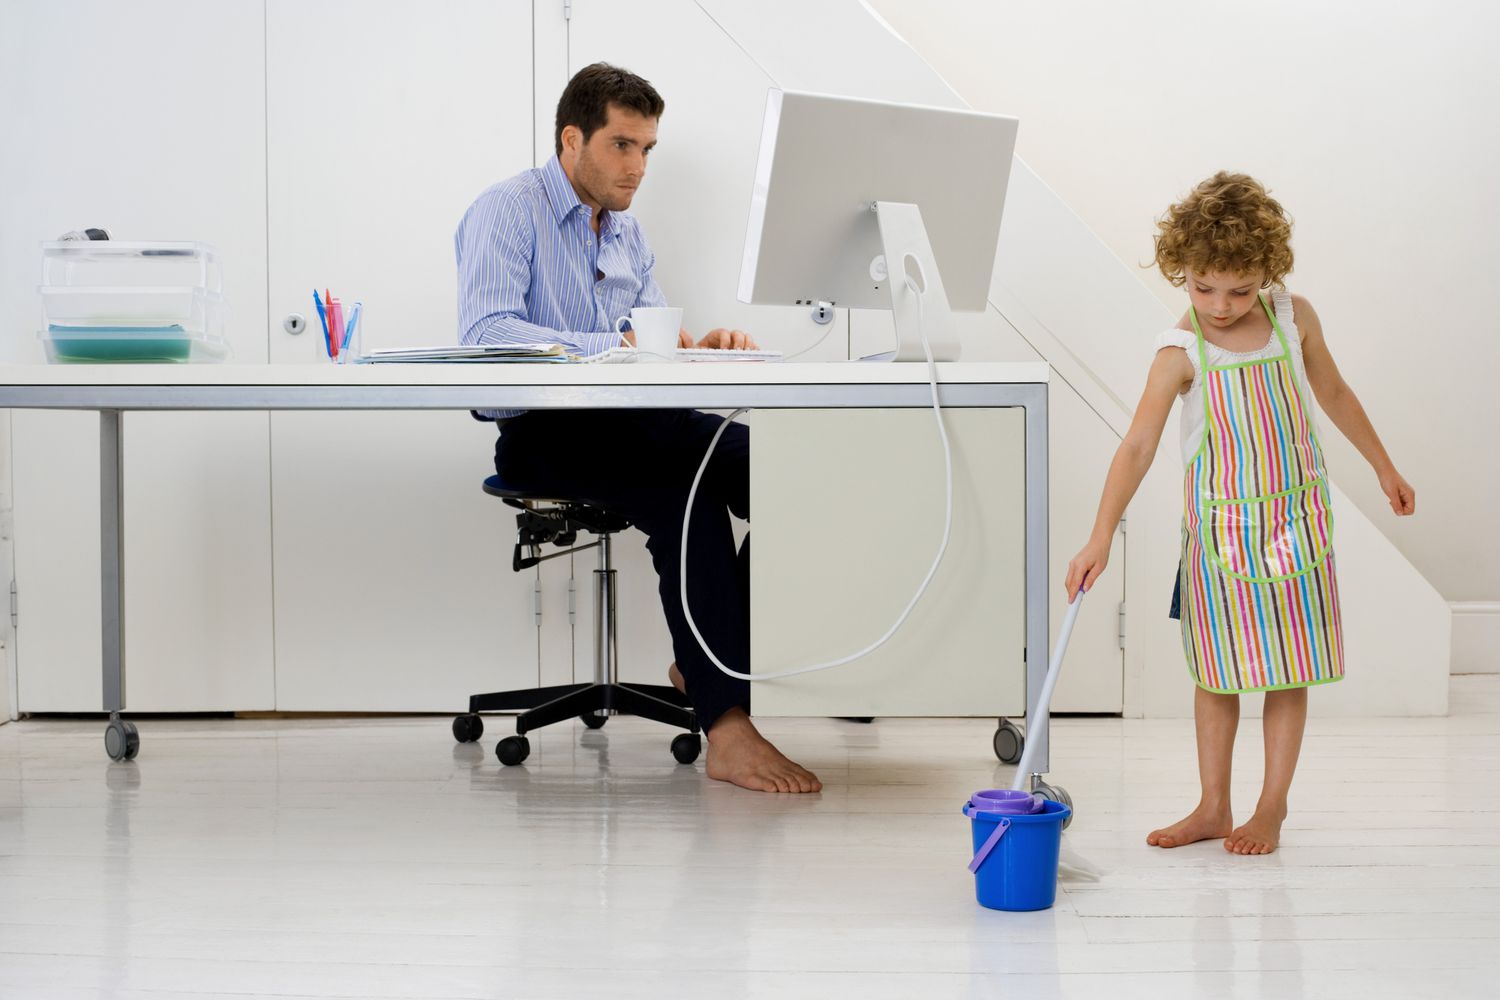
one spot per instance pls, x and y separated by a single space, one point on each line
531 271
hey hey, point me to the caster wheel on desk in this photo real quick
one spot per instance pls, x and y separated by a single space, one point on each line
1009 742
121 741
687 747
593 721
513 750
468 728
1057 794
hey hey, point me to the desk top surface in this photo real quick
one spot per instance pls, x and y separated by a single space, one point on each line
531 374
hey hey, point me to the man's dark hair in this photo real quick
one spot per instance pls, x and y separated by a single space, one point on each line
586 99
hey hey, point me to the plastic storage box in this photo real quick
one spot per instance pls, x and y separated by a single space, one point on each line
105 301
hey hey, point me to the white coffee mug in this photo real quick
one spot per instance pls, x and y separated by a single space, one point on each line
655 329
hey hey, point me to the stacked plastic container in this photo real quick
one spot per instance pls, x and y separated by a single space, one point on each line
113 301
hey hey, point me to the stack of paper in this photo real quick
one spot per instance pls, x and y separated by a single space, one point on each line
466 353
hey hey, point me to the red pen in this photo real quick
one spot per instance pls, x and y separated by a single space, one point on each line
336 322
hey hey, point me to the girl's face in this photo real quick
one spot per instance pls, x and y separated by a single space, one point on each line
1222 299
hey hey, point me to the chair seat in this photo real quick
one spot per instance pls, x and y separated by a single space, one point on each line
589 515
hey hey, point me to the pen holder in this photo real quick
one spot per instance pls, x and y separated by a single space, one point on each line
349 337
350 350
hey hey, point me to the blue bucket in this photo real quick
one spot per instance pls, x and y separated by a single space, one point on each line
1015 854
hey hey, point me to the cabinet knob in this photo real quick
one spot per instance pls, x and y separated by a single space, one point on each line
295 323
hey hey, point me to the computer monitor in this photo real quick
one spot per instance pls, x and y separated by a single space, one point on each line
843 186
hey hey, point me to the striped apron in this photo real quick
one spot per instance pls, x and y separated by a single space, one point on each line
1260 605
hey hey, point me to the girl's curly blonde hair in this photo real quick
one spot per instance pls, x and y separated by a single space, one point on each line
1227 223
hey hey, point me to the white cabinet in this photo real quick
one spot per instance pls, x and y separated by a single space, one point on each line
392 569
79 152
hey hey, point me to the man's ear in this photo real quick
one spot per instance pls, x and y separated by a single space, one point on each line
572 138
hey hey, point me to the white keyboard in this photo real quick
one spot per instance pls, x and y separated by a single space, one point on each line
629 355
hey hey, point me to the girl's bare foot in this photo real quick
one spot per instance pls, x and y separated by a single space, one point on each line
740 755
1259 836
1201 824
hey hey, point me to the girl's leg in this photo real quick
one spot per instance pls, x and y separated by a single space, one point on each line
1217 716
1285 717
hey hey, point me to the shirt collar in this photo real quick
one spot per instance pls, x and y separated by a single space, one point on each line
564 200
560 191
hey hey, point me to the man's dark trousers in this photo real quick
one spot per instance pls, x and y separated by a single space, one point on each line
640 464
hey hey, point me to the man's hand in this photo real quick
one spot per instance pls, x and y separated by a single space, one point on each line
684 339
728 340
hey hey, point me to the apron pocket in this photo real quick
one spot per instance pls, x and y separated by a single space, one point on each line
1271 538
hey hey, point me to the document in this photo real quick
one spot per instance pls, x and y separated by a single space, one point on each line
465 353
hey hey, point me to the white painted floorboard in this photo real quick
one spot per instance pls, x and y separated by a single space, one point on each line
375 858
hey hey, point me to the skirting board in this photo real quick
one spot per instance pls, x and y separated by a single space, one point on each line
1476 637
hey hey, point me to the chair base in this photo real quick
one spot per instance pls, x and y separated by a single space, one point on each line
544 706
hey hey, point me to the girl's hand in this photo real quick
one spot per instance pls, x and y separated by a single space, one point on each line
1399 492
1086 567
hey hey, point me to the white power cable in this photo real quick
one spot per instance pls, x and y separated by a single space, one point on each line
937 413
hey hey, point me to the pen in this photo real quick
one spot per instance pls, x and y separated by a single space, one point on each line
322 318
336 324
349 328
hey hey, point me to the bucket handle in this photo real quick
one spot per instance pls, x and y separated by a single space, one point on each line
988 845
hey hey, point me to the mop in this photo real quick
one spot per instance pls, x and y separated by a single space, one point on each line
1069 862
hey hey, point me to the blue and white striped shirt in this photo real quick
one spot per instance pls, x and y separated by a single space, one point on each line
531 271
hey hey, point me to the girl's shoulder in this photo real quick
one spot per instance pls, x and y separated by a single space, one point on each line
1180 360
1294 308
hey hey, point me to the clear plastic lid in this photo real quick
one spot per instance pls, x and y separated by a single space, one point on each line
73 263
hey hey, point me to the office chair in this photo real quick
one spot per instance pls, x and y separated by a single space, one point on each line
547 520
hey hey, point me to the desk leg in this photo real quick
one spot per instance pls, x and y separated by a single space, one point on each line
120 738
1037 585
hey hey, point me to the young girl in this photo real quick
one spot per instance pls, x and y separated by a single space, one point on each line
1256 589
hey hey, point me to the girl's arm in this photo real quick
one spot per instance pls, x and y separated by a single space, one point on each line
1344 409
1170 374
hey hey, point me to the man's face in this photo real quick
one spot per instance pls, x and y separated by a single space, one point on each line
607 169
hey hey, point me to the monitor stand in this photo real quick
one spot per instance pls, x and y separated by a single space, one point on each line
904 236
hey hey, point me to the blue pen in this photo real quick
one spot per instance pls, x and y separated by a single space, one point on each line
349 326
323 318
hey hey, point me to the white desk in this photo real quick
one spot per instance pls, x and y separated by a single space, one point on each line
115 389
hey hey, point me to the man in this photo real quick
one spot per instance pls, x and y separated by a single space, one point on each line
550 256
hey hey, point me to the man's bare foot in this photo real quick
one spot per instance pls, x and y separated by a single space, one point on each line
1201 824
675 676
1259 836
740 755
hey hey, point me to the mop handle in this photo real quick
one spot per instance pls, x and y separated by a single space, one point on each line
1044 703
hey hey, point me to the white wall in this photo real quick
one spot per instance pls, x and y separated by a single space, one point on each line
1376 125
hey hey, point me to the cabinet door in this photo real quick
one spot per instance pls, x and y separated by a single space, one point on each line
117 121
392 569
1080 448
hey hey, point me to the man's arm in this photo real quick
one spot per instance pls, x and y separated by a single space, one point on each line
496 248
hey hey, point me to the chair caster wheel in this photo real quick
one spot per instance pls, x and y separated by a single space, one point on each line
687 747
1009 742
513 750
121 741
593 720
468 728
